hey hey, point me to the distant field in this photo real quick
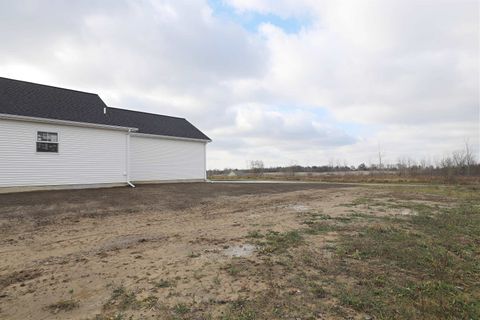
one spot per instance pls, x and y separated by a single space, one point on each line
241 251
354 177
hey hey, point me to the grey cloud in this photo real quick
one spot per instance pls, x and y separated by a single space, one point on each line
404 68
121 41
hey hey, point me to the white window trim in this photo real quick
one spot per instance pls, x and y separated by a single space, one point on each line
47 152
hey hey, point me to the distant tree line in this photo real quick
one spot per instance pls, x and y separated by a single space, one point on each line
458 163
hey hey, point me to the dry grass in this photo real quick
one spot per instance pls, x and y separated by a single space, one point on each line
63 305
386 178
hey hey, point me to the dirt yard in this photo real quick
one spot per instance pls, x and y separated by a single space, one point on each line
241 251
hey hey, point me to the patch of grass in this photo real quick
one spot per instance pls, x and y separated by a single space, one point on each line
426 267
414 206
276 242
318 291
181 309
255 234
275 304
319 227
318 216
240 310
63 305
116 316
382 205
343 219
441 193
122 299
356 214
422 266
359 201
309 259
235 268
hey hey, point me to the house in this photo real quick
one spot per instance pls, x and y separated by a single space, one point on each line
52 136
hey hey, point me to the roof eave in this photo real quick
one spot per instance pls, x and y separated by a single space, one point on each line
148 135
13 117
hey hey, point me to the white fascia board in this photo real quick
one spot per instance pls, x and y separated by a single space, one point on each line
146 135
64 122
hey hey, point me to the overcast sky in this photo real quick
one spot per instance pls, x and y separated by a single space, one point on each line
284 81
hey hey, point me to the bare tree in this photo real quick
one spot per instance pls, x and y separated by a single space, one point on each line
402 166
256 167
292 168
330 163
469 157
380 156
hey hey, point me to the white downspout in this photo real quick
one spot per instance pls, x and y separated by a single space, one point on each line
127 159
205 161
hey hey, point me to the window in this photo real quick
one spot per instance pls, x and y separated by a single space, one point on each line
47 141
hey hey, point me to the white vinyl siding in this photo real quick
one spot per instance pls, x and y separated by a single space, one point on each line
85 156
93 156
157 159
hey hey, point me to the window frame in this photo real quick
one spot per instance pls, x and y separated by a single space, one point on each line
37 141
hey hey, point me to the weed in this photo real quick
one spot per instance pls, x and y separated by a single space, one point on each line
119 316
64 305
233 270
122 299
162 283
216 280
318 291
181 308
150 302
194 255
255 234
240 310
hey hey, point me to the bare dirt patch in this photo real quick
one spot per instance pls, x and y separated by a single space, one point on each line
64 245
191 251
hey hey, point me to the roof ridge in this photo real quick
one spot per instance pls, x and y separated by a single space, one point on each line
46 85
150 113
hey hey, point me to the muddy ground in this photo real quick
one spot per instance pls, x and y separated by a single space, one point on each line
178 251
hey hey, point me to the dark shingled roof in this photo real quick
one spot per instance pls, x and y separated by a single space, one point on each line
36 100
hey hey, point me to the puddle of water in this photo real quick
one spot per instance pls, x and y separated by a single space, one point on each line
244 250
